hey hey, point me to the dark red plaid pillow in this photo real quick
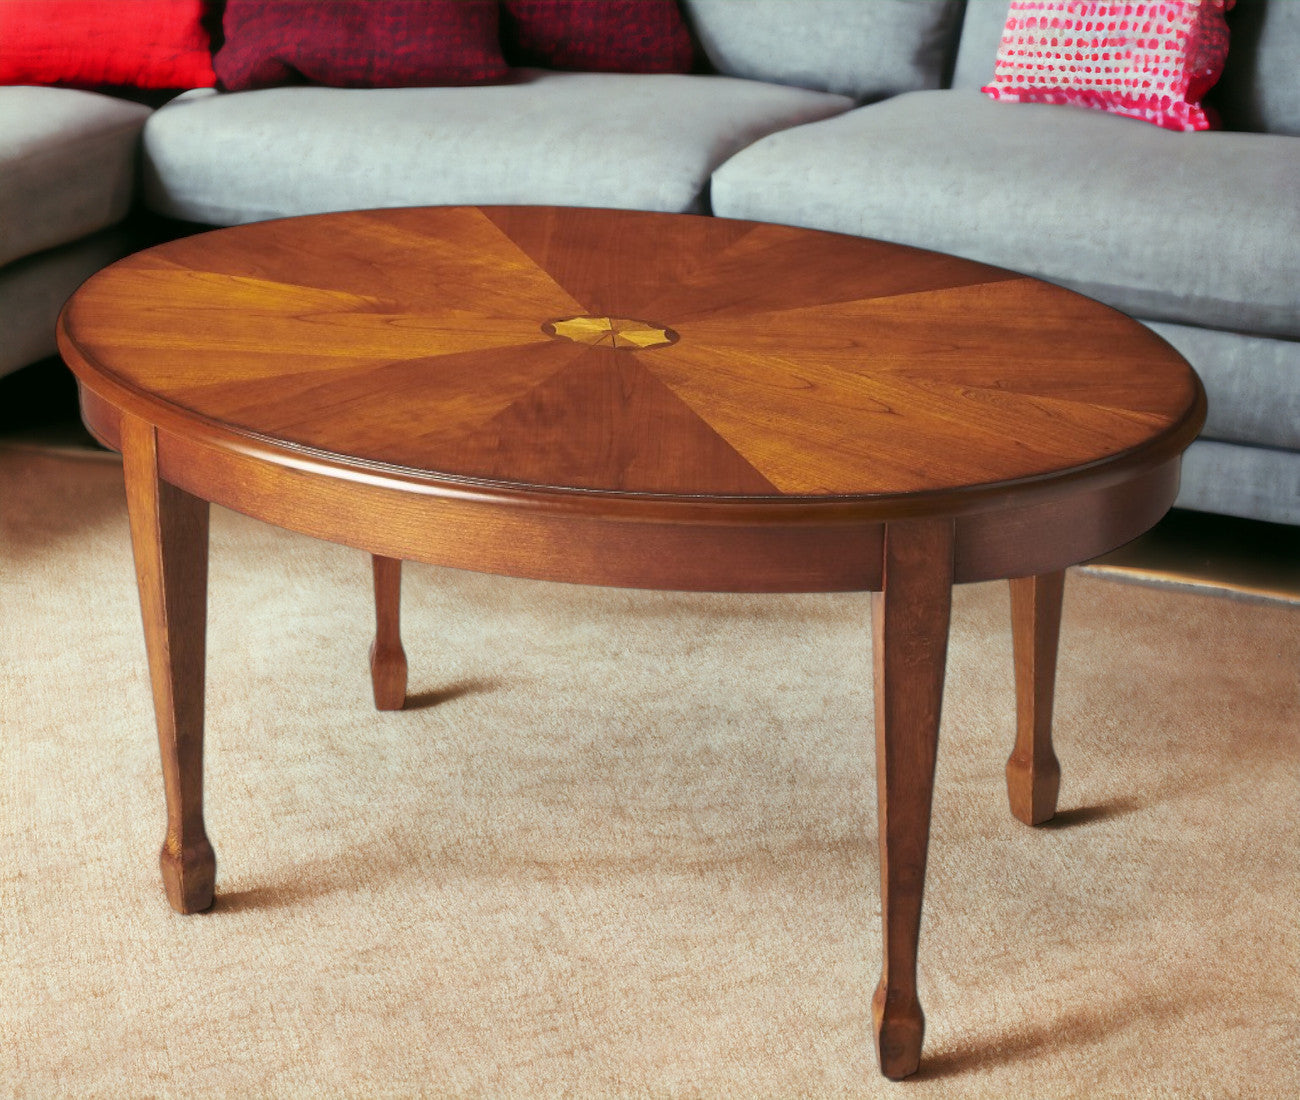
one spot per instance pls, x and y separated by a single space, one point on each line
604 36
359 43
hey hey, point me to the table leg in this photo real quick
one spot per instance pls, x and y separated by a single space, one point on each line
169 534
910 631
387 658
1033 772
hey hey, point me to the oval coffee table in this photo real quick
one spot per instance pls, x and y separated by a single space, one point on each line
647 400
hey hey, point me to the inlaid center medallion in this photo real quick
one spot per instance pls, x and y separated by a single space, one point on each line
619 333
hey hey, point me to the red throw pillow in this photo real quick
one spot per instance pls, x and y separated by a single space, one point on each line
1150 61
359 43
599 36
96 43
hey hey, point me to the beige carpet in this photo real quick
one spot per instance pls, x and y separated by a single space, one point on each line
623 843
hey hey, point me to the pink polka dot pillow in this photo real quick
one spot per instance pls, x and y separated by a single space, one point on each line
1150 61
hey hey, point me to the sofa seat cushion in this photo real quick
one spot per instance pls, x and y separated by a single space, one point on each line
575 139
67 159
33 290
1199 229
1232 480
1252 383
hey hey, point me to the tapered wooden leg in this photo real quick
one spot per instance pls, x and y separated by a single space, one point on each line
169 534
910 626
387 658
1033 772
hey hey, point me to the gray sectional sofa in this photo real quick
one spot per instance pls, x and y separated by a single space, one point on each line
859 116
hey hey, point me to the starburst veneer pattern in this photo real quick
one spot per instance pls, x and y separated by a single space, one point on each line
482 344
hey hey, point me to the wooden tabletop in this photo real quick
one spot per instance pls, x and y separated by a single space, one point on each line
633 354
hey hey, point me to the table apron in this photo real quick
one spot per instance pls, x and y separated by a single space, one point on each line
532 542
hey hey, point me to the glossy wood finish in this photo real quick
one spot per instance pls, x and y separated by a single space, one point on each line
387 657
1033 772
317 372
910 636
169 533
807 367
662 401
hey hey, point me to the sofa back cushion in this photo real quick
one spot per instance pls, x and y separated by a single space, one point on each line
1259 89
981 32
867 49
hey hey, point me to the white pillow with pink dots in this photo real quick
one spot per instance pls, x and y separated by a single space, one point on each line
1153 61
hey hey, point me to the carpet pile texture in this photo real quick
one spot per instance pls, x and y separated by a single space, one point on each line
623 843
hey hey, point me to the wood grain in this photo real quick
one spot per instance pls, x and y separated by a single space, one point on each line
169 532
1033 772
833 366
387 657
910 633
